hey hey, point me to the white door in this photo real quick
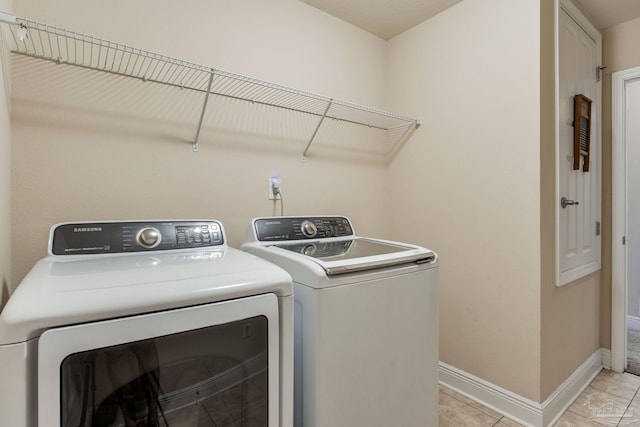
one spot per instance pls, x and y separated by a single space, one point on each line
578 224
625 146
632 144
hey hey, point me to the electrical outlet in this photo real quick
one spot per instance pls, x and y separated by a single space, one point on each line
277 181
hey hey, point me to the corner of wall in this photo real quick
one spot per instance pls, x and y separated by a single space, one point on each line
547 142
4 293
5 165
561 308
547 168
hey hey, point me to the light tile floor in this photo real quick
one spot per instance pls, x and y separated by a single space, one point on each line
612 399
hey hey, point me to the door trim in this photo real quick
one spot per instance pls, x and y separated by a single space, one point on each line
619 217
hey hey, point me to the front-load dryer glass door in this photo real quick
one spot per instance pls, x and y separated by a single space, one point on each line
212 372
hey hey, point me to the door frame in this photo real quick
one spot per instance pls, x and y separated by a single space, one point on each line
619 280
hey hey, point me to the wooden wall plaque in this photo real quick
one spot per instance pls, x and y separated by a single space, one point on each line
581 132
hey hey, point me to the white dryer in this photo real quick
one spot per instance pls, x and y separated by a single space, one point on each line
155 323
366 322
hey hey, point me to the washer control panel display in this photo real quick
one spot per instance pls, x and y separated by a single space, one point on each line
122 237
299 228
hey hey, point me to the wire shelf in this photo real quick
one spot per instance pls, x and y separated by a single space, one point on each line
37 40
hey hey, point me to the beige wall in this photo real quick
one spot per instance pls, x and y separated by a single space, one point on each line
5 166
475 200
632 148
88 146
570 315
474 182
485 198
619 52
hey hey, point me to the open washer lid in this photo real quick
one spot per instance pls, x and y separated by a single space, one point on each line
330 242
357 254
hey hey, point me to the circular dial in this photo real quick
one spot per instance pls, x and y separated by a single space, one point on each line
149 237
308 228
309 250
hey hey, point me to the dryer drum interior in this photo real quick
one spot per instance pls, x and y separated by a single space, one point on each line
171 379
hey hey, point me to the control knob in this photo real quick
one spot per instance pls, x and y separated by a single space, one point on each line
308 228
149 237
309 250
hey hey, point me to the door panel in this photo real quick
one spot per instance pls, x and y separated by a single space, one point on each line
579 244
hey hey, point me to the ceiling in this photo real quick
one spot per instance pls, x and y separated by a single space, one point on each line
384 18
388 18
607 13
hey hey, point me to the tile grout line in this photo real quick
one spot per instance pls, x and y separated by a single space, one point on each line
599 389
615 395
497 421
607 392
629 405
602 390
474 408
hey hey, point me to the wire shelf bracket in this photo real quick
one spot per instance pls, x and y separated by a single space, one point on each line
204 109
46 42
315 132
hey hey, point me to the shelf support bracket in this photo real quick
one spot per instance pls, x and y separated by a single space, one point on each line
324 115
204 108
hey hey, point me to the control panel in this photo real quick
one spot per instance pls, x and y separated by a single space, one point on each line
122 237
300 228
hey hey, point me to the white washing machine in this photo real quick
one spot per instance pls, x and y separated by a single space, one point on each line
366 322
155 323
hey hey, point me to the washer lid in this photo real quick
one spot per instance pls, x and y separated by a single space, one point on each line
346 256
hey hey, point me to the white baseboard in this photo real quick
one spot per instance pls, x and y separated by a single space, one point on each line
509 404
606 358
633 322
516 407
560 400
